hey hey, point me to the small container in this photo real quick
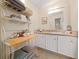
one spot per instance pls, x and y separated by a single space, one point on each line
69 28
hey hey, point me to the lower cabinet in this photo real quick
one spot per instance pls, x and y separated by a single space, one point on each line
41 41
67 46
33 42
48 42
51 43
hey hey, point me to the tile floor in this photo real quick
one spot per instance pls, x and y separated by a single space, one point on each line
43 54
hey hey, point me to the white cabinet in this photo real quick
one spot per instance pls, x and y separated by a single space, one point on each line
41 41
51 42
34 41
48 42
67 46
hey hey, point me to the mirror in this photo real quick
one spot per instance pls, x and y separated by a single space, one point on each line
56 20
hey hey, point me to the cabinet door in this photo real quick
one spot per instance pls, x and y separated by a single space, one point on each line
67 46
34 41
41 42
51 43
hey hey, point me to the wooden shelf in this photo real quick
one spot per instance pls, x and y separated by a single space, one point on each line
19 40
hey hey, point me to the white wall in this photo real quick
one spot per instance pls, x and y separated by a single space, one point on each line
44 13
69 13
74 14
35 18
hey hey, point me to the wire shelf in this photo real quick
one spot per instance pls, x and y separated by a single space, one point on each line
7 50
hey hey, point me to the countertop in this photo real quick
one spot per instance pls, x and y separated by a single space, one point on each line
57 33
19 40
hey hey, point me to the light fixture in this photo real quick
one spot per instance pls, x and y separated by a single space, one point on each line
54 11
52 8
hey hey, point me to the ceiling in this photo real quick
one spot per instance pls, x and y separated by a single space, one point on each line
41 3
